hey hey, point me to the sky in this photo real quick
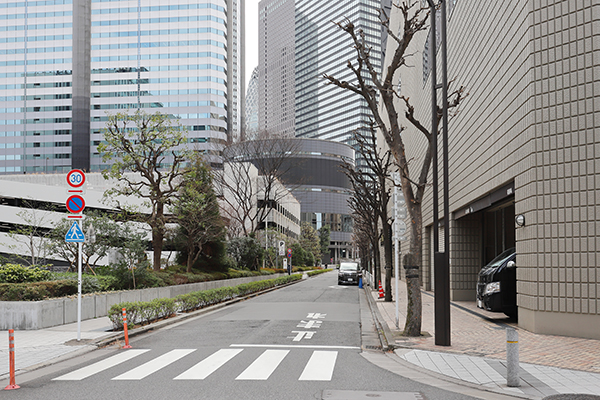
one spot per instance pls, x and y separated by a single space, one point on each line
251 37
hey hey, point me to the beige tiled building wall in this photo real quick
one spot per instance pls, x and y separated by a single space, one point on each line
526 141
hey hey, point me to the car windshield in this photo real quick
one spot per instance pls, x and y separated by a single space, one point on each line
348 267
501 258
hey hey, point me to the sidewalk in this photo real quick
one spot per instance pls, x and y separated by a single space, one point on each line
550 365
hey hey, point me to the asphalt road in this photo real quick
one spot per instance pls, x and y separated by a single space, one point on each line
299 342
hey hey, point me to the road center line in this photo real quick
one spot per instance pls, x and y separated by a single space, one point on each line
297 346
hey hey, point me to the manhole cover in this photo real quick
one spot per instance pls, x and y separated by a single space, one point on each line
368 395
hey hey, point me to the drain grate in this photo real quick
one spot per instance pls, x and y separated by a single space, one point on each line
368 395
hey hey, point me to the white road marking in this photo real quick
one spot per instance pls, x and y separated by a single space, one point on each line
302 335
100 366
154 365
264 365
320 366
296 346
209 365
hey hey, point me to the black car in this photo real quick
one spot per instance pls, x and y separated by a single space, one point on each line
497 284
349 272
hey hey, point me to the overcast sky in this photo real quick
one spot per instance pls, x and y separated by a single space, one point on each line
251 37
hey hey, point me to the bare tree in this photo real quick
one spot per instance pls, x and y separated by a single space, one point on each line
374 89
32 233
252 180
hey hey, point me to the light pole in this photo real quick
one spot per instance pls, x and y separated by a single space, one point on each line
441 261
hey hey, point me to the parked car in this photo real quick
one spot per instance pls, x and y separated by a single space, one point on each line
497 284
349 272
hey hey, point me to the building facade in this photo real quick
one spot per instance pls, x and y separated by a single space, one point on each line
251 101
276 66
524 143
325 111
67 63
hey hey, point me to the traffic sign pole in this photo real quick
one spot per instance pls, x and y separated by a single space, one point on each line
79 251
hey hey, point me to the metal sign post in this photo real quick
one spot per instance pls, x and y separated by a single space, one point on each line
75 204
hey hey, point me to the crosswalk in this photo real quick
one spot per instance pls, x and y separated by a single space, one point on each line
319 367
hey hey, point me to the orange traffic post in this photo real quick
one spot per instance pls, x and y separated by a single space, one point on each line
11 359
127 346
381 295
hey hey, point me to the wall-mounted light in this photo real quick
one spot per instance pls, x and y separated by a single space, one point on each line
520 220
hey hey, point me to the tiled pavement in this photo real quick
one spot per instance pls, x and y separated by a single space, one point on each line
549 364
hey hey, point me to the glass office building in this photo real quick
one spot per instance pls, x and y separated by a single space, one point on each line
66 64
325 111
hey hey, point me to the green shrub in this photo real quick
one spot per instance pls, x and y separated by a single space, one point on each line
146 312
37 290
14 273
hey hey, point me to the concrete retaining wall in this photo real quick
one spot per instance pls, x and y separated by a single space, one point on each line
31 315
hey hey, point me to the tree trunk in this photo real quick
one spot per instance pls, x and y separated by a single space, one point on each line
387 254
412 264
190 261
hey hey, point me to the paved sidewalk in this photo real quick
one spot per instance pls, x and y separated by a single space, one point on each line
43 346
550 365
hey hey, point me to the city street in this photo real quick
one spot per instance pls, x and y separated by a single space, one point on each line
299 342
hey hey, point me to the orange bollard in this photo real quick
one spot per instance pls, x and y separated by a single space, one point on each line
11 358
381 295
127 346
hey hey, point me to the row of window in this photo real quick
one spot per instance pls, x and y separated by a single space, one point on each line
42 38
34 121
165 56
37 50
32 133
34 109
158 32
35 3
36 62
156 92
37 97
35 26
145 81
159 8
114 46
161 20
49 144
36 85
50 14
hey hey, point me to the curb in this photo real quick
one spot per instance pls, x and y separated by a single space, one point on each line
383 330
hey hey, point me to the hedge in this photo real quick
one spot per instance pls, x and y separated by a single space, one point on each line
318 271
145 312
35 291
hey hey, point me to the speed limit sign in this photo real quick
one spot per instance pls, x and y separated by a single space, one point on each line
76 178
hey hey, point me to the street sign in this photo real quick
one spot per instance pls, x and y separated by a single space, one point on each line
289 252
281 248
75 204
75 234
400 227
76 178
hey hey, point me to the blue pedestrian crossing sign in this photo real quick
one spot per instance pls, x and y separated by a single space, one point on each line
75 234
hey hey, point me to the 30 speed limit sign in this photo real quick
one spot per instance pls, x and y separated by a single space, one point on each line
76 178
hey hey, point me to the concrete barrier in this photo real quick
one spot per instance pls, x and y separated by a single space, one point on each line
31 315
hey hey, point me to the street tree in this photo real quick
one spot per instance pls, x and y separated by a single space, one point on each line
32 234
324 240
252 180
309 240
376 88
372 190
196 212
147 154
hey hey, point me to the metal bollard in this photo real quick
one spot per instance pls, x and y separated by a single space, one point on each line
11 359
127 346
512 358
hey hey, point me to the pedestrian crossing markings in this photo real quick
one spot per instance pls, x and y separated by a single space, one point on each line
319 367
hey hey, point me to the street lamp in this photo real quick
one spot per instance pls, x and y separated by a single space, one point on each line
441 261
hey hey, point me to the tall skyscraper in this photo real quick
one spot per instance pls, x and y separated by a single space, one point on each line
325 111
276 66
67 63
251 101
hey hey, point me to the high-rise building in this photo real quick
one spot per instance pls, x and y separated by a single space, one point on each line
276 66
67 63
325 111
251 101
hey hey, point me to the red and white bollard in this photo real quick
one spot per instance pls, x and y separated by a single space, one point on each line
127 346
11 358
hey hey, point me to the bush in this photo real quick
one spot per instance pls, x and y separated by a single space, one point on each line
90 283
37 290
146 312
14 273
246 252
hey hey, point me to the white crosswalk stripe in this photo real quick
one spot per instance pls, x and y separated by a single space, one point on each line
320 366
154 365
264 365
209 365
100 366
